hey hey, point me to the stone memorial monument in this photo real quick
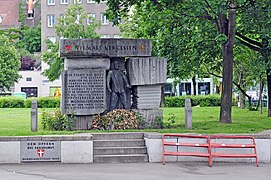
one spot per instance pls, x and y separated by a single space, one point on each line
105 74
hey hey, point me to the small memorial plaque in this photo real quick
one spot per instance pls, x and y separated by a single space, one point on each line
39 151
84 91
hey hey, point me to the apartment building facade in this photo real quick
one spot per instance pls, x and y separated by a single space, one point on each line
51 10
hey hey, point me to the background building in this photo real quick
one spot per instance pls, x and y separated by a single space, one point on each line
51 10
9 14
33 83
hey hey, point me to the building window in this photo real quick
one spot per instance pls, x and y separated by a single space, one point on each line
64 1
91 18
90 1
185 89
104 19
30 91
52 39
50 20
204 88
51 2
105 36
168 89
28 78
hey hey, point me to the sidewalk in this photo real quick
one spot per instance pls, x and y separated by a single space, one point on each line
135 171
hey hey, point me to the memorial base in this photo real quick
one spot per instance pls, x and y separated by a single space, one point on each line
150 115
83 122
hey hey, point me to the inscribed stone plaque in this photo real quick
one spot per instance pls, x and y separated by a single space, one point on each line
147 71
40 151
105 47
84 91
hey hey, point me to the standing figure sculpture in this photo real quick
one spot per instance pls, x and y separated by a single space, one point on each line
117 82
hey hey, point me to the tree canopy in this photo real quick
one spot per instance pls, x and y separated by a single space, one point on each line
9 64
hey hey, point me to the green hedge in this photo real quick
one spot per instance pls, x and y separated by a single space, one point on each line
203 101
11 102
16 102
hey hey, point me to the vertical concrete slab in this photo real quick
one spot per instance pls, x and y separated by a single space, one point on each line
154 149
77 151
10 152
263 147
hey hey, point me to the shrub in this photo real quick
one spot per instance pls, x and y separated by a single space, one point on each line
57 121
203 101
11 102
49 102
44 102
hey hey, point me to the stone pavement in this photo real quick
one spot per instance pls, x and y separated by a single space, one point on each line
135 171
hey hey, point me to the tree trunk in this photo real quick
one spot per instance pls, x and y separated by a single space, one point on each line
227 51
268 73
260 96
242 100
194 85
241 94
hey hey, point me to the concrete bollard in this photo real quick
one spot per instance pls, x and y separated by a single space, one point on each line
188 114
34 116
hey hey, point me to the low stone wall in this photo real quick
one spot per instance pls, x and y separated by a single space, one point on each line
154 148
64 149
79 149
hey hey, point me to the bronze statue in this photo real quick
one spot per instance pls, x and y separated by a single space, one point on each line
116 84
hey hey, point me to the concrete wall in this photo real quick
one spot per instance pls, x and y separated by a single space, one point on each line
74 149
154 148
79 149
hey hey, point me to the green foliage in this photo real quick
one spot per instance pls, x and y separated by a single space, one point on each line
21 13
191 45
9 64
16 102
11 102
31 40
51 57
44 102
56 121
71 26
202 101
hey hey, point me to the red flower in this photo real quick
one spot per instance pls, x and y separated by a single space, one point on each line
68 47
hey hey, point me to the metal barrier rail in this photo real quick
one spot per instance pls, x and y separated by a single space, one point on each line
197 154
235 145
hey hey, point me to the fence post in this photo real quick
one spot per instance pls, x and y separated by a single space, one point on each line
188 114
34 115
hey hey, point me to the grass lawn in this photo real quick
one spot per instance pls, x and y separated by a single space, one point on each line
16 122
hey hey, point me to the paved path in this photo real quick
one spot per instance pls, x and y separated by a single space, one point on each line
138 171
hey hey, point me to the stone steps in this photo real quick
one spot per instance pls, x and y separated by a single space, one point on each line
119 148
119 143
110 136
127 158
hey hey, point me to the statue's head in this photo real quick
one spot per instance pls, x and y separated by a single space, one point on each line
116 65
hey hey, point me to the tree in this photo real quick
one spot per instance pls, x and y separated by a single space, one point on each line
9 64
70 26
219 15
255 34
31 39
